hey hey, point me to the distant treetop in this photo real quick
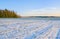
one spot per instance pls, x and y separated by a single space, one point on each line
8 14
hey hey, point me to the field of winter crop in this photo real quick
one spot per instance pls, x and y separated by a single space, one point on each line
29 29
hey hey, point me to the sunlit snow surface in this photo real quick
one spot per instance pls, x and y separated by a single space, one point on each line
29 29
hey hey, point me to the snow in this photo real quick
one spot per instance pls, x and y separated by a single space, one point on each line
29 29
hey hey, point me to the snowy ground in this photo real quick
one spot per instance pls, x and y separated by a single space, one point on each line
29 29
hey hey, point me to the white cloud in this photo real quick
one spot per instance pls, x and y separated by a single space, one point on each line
44 12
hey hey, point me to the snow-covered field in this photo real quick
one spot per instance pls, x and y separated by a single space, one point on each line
29 29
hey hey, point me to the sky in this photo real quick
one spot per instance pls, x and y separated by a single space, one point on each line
32 7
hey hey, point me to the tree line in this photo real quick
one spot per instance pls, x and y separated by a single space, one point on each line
8 14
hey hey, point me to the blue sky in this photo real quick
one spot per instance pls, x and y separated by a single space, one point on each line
32 7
